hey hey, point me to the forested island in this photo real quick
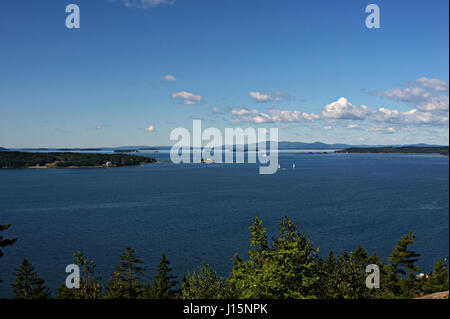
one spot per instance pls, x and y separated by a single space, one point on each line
69 160
442 150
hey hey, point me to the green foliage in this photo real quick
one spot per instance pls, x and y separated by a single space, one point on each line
61 159
126 283
437 280
344 277
163 282
28 285
403 259
286 269
203 283
89 285
5 242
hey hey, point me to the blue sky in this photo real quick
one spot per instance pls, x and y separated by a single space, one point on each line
310 68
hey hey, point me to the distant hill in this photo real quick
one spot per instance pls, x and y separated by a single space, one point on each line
283 145
2 149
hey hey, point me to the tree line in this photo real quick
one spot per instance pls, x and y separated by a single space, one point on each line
67 159
285 267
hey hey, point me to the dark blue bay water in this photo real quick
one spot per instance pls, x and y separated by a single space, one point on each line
197 213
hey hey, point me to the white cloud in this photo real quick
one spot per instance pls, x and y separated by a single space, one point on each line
151 128
261 98
273 115
169 78
188 98
327 128
344 110
292 116
353 126
434 84
146 4
424 95
384 130
413 116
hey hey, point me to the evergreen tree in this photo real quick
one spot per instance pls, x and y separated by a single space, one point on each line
5 242
28 285
286 269
258 242
163 281
115 288
403 259
438 279
89 285
203 283
126 283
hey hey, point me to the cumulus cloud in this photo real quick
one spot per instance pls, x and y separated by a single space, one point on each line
273 115
384 130
434 84
151 128
413 116
423 94
344 110
146 4
261 97
169 78
188 98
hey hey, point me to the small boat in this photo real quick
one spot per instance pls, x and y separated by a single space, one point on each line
293 166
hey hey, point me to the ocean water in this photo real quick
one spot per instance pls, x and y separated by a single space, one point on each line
201 212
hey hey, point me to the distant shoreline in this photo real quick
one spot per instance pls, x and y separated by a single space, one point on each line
12 160
436 150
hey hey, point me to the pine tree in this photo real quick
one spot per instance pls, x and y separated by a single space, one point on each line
258 242
5 242
203 283
437 280
126 283
403 259
163 282
115 288
28 285
89 285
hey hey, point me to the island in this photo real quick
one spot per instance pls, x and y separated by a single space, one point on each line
69 160
311 153
442 150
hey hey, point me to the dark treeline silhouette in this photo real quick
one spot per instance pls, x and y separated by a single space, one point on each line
67 159
286 267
